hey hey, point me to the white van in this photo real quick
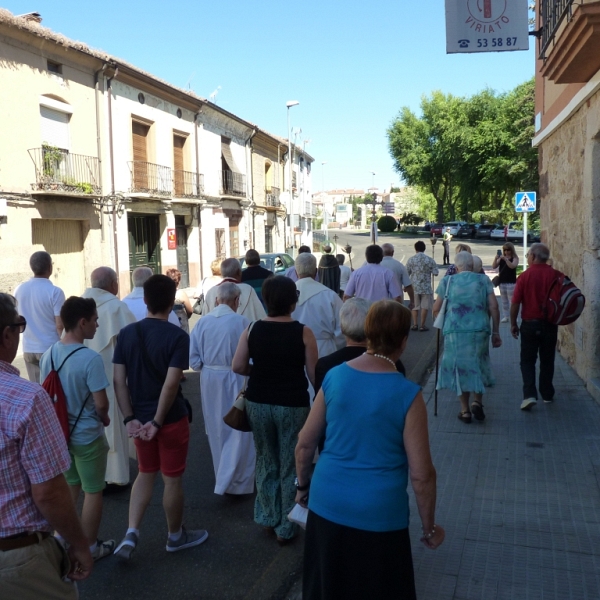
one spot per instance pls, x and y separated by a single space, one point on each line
514 234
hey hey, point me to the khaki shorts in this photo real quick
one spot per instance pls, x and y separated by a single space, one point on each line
424 301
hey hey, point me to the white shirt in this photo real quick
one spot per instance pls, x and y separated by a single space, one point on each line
398 269
39 301
345 273
135 303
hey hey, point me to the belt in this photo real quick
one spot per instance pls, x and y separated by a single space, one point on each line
217 367
22 540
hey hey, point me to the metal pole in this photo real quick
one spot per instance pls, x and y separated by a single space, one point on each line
524 241
292 228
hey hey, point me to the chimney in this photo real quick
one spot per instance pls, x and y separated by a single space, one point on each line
34 17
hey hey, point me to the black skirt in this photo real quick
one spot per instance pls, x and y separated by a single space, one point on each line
353 564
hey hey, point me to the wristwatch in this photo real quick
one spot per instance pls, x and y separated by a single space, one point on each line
301 488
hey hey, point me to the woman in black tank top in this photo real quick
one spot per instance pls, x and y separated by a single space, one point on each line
283 353
507 272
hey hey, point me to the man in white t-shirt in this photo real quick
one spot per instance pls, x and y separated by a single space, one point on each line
389 262
39 301
345 273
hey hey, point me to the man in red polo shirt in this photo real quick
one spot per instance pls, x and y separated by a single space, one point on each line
538 336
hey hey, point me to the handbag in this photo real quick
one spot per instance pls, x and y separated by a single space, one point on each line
496 281
199 304
236 417
439 320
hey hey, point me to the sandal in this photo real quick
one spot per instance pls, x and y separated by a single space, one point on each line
477 410
414 328
465 416
424 328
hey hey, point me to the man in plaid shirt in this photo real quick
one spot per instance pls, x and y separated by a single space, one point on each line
34 496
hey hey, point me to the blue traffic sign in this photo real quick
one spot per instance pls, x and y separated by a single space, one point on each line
525 202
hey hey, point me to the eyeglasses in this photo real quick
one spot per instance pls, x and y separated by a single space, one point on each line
21 324
297 293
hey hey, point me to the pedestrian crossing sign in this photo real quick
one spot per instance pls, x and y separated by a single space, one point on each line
525 202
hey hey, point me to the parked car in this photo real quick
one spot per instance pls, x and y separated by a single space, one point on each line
436 228
514 233
467 230
278 262
484 231
454 226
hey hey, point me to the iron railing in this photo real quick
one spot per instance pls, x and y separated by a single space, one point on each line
233 183
272 197
187 184
148 178
553 13
58 170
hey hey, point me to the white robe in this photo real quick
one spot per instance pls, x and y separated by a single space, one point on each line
213 342
250 306
319 307
113 315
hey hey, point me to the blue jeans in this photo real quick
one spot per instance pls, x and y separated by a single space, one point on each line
538 337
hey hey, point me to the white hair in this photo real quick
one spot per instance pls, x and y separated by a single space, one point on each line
228 291
140 276
477 265
231 267
463 261
103 277
388 249
306 265
353 315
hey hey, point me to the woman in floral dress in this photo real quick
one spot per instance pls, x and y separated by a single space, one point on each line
465 367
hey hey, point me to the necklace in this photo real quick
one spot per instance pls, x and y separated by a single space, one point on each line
384 358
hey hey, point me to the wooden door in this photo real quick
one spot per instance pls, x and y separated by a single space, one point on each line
63 240
144 242
178 176
140 155
182 251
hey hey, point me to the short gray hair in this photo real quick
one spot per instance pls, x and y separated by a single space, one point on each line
388 249
477 264
463 261
8 310
140 276
228 291
231 267
353 315
306 265
40 263
103 278
540 251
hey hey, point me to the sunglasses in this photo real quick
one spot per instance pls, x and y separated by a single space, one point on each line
21 324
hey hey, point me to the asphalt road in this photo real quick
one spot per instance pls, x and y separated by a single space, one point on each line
238 561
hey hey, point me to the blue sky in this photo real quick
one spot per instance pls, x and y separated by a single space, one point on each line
351 65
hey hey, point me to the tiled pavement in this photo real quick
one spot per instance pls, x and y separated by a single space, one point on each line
518 494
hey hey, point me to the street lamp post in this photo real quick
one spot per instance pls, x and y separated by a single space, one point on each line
289 105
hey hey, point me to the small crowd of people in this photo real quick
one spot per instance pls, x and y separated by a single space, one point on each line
317 353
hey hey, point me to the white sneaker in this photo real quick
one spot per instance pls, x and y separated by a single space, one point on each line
505 320
528 403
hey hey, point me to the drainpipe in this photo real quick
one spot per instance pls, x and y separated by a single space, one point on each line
199 215
112 170
99 145
251 181
285 216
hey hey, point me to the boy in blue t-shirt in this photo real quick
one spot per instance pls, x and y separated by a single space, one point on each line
84 383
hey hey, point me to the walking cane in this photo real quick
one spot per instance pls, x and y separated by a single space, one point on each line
437 362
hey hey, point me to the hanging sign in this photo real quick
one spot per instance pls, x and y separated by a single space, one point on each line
172 239
486 26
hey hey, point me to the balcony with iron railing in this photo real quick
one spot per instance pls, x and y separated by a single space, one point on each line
58 170
232 183
570 40
148 178
272 197
187 184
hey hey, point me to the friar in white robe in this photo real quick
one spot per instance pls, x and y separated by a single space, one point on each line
318 307
213 342
113 315
135 300
249 304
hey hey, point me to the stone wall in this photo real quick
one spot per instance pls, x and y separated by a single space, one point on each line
570 219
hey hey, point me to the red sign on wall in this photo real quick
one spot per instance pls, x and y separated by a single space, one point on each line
172 239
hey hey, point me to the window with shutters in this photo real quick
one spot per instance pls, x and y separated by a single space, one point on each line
178 170
139 133
55 128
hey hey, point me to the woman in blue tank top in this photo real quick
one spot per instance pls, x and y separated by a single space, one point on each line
375 426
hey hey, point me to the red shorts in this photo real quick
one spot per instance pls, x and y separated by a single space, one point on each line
167 451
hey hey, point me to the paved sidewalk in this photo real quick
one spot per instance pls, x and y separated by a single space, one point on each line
518 494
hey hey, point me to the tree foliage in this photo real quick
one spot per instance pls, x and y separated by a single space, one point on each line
468 154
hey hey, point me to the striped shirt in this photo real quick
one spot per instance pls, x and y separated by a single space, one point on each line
32 450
